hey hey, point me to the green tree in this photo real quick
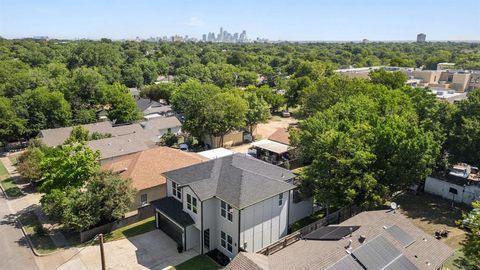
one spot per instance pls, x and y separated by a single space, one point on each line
77 135
471 247
42 109
266 93
106 197
159 91
28 165
71 165
225 112
362 153
124 109
258 111
393 80
132 76
11 125
85 86
465 137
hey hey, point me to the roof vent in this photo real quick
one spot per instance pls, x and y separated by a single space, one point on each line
349 246
362 238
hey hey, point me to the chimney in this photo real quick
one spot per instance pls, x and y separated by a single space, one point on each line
362 238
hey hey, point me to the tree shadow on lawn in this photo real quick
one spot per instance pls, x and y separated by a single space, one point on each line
11 220
431 209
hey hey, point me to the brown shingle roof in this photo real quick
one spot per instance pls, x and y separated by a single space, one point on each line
315 254
280 136
145 168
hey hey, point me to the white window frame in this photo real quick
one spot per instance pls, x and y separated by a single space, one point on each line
176 190
191 203
142 202
226 241
226 211
280 199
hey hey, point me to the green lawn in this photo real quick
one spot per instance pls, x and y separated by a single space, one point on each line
307 220
432 213
14 158
140 227
3 172
43 244
10 188
200 262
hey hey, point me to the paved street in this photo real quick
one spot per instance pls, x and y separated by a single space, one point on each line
14 250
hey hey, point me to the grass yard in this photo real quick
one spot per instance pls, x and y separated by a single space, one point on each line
41 241
140 227
431 213
10 188
200 262
307 220
14 158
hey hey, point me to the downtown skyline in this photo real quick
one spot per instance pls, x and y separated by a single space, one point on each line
301 20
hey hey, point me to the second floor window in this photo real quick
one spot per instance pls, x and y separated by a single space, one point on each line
191 203
177 192
226 210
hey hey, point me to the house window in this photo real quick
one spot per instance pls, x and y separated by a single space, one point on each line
280 199
226 210
206 238
191 203
143 199
226 241
176 190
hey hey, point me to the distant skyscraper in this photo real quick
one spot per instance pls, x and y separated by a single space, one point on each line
204 37
220 35
421 37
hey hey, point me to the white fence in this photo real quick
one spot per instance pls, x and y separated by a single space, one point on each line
465 194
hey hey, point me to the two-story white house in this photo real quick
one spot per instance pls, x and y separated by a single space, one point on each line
234 203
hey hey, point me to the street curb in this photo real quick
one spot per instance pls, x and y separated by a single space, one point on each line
4 192
30 242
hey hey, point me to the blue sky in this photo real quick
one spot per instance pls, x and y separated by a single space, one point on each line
276 20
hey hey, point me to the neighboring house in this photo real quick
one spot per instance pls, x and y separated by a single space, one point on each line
57 136
216 153
145 169
162 125
231 204
276 149
230 139
383 239
114 148
461 184
153 109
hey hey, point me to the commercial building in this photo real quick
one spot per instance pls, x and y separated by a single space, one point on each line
421 37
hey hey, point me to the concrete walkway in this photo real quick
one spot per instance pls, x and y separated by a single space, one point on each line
152 250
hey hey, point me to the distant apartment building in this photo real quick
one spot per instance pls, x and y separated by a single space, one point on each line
421 37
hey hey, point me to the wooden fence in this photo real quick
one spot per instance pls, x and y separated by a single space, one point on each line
143 213
333 218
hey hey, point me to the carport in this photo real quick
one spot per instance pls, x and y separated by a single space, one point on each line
172 220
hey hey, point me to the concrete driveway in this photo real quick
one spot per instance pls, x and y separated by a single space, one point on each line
152 250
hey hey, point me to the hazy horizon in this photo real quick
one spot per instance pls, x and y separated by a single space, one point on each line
296 21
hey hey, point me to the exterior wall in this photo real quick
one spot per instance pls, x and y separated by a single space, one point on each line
356 75
229 227
196 217
153 194
263 223
466 194
210 222
427 76
460 81
299 210
193 237
474 81
233 138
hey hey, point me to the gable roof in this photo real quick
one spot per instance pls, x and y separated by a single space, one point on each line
236 179
425 252
280 136
57 136
145 167
161 123
145 103
121 145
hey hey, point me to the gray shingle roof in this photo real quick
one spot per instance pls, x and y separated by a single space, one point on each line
174 210
121 145
237 179
161 123
145 103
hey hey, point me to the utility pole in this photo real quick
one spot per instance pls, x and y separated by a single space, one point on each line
102 253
